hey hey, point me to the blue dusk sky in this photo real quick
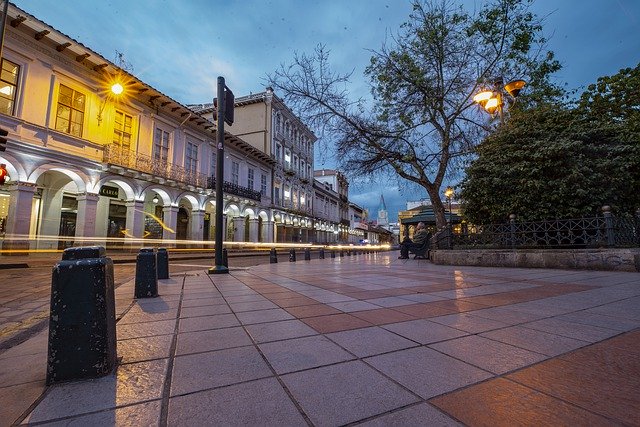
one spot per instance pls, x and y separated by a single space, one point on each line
181 47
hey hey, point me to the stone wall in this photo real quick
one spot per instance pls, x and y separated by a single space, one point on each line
582 259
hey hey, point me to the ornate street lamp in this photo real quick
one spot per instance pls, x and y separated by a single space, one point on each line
493 100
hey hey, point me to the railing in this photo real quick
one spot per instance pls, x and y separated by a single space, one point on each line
231 188
605 231
116 155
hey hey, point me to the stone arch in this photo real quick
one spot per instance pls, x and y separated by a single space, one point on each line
78 177
195 203
14 168
127 186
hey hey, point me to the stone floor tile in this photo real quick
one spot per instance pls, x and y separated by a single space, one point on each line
202 302
205 310
507 316
132 383
419 415
423 310
312 310
11 372
468 322
424 331
137 316
357 392
245 298
203 323
13 399
328 297
146 348
143 414
534 340
335 323
303 353
252 306
383 316
276 331
427 372
295 302
501 402
422 297
390 301
203 371
487 354
263 316
216 339
579 331
148 329
370 341
351 306
601 321
241 405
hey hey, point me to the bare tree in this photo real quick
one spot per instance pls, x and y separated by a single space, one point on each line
421 120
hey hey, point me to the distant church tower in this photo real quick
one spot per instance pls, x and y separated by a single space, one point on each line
383 217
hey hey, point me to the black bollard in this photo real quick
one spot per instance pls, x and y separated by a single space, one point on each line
333 254
225 258
321 255
162 257
292 255
82 322
146 274
273 256
349 252
307 254
341 253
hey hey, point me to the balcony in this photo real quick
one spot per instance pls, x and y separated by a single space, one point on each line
288 170
238 190
117 156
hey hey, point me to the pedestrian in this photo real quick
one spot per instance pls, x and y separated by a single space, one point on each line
419 238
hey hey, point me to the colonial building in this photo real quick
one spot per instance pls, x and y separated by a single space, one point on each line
337 182
326 213
267 124
96 153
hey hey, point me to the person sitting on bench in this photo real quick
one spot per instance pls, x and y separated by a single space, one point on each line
419 238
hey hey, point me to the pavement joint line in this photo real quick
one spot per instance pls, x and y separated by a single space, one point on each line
166 388
295 402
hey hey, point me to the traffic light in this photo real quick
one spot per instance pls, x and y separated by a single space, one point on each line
3 139
3 173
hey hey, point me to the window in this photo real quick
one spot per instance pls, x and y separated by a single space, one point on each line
161 145
8 86
278 152
235 172
276 194
122 130
303 169
287 158
250 177
263 185
70 113
191 157
279 123
214 163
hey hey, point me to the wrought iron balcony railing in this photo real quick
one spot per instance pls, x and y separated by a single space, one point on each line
231 188
116 155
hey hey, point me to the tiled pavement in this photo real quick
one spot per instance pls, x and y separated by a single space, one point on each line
370 340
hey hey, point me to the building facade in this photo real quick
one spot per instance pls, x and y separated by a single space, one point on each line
338 182
96 154
267 124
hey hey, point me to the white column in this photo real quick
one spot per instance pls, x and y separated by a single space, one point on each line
253 230
19 215
135 218
269 225
196 224
86 217
170 221
238 224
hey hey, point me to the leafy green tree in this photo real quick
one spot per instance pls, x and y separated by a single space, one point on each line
559 161
421 120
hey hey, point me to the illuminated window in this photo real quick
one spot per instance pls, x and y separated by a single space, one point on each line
70 113
122 130
287 158
8 86
160 145
191 157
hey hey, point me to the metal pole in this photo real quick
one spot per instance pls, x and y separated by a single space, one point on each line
219 268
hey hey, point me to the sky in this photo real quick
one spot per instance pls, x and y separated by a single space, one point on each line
181 47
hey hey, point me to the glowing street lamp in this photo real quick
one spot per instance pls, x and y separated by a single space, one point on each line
492 100
449 194
116 89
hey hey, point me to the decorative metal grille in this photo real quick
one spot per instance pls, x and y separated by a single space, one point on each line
566 233
238 190
116 155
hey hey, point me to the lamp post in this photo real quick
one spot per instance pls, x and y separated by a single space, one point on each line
449 194
116 90
492 100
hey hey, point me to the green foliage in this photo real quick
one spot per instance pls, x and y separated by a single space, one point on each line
553 161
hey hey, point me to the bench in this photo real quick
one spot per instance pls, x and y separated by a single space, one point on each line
422 251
